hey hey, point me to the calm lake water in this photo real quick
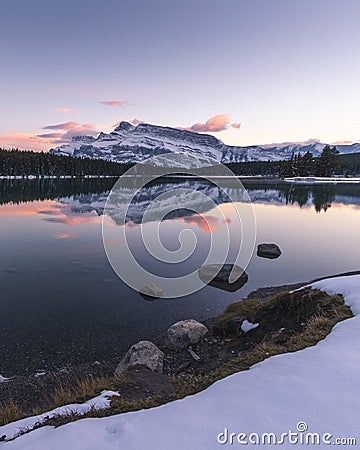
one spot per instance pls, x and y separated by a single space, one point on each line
61 302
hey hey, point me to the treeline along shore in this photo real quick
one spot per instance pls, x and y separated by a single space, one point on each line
26 163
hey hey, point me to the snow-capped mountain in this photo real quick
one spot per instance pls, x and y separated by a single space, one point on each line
186 196
157 199
132 144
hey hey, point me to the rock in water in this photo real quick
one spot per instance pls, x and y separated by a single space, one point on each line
143 353
151 292
184 333
228 277
270 251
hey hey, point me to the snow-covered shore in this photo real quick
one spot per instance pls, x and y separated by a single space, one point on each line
316 390
322 180
101 401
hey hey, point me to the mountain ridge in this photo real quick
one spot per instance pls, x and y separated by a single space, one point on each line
129 143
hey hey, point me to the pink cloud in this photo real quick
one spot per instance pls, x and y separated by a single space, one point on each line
220 122
61 126
209 224
23 141
62 133
136 121
69 130
63 236
63 110
115 102
284 144
236 125
343 142
80 130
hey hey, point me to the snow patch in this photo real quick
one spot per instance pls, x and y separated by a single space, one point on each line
318 387
39 373
247 326
102 401
4 379
322 180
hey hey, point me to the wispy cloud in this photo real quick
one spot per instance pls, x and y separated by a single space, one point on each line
283 144
63 110
220 122
136 121
23 141
64 236
80 130
69 130
61 126
115 102
209 224
64 214
50 135
344 142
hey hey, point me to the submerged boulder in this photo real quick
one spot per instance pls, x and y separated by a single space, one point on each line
270 251
184 333
152 292
229 277
144 353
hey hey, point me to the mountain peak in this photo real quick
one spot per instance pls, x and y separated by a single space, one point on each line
124 126
83 138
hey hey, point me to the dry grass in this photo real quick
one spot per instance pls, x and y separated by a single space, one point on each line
10 413
246 308
81 391
321 316
330 311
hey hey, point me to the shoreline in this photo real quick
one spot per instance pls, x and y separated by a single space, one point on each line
32 391
322 180
54 177
304 181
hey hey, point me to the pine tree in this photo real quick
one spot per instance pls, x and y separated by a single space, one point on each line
305 165
327 163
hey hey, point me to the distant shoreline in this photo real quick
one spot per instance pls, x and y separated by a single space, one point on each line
322 180
308 181
53 177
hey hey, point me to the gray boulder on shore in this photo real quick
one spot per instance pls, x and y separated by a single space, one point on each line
270 251
143 353
185 333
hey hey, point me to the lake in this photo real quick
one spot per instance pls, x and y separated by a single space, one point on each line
61 302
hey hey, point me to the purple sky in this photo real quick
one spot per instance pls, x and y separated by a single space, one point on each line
248 71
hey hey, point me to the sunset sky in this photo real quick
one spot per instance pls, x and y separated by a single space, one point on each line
248 71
